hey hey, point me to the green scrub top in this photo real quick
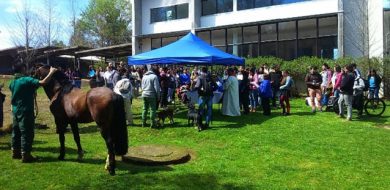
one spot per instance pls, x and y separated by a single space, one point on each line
23 89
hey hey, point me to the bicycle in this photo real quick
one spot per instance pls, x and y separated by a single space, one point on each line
371 106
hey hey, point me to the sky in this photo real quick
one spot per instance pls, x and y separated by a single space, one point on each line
8 18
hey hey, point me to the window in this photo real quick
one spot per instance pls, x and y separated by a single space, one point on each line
287 30
262 3
386 33
327 26
250 50
268 49
250 34
169 13
235 50
234 36
287 50
156 43
218 37
326 47
166 41
205 36
210 7
268 32
307 47
307 28
250 4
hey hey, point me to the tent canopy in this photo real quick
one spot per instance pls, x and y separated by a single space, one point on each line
188 50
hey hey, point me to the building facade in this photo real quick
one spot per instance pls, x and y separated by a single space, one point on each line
283 28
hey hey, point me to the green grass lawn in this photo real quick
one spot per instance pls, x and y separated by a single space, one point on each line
301 151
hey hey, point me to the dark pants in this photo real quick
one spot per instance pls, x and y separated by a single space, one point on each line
266 106
358 103
164 98
23 132
244 102
1 115
275 95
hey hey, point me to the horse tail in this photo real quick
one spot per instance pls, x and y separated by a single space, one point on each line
119 127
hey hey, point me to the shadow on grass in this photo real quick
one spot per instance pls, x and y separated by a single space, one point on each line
88 129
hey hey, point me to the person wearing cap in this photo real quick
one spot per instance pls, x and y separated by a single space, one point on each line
124 88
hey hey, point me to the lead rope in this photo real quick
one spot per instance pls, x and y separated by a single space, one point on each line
36 106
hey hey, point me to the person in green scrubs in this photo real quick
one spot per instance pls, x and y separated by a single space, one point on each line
23 89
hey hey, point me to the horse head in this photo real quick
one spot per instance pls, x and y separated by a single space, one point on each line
57 82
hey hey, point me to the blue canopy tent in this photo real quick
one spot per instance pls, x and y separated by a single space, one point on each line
188 50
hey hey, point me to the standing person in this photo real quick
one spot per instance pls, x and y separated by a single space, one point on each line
205 86
2 99
231 105
136 80
356 71
336 81
254 84
266 94
285 90
69 74
23 89
99 77
77 78
346 92
92 77
111 76
164 84
150 94
326 75
276 77
313 81
184 78
171 85
124 88
374 81
358 89
244 91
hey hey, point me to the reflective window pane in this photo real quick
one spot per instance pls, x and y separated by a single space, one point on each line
234 35
224 6
218 37
205 36
156 43
268 49
327 26
166 41
209 7
250 50
245 4
222 48
326 47
307 47
263 3
251 34
235 50
268 32
182 11
307 28
287 49
287 30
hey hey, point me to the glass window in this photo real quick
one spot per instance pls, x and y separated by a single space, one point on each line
263 3
268 49
182 11
268 32
307 47
209 7
326 47
250 34
327 26
287 30
287 50
205 36
307 28
386 28
250 50
224 6
234 35
280 2
235 50
156 43
222 48
218 37
245 4
166 41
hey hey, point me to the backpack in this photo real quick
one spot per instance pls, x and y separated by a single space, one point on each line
206 87
366 84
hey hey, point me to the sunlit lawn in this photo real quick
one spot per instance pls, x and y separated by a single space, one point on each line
301 151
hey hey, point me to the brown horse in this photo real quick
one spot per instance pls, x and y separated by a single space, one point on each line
72 106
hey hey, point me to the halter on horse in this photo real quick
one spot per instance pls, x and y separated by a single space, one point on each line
72 106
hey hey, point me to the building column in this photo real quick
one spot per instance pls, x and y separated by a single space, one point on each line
136 26
375 28
340 31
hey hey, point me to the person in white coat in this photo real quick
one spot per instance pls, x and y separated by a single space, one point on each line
124 88
231 101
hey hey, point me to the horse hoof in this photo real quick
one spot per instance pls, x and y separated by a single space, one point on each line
112 172
81 156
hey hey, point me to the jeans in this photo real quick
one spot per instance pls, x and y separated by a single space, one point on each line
275 95
336 93
206 101
374 93
253 98
152 104
346 99
171 94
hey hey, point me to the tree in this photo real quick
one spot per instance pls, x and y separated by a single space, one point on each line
48 19
105 23
58 44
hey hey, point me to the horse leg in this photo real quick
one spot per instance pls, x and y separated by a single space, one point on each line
61 135
76 137
110 161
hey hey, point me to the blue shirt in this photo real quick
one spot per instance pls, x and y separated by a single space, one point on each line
372 82
184 79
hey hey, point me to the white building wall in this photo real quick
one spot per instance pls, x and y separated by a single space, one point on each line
167 26
287 11
375 28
